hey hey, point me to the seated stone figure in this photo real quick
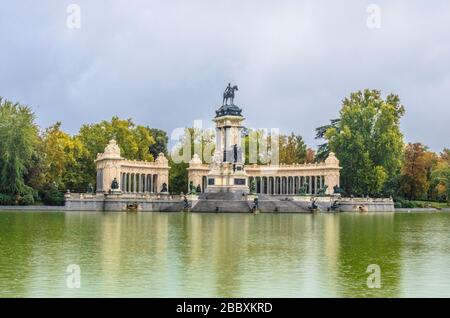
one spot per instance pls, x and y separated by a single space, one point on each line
323 191
192 189
253 186
90 189
114 184
302 189
337 190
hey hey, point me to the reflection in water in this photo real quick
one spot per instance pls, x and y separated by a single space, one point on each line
368 239
224 255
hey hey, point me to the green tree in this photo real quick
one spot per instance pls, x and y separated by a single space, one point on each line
292 149
134 141
64 160
323 150
193 141
440 180
445 155
18 137
178 176
257 147
368 142
161 142
413 180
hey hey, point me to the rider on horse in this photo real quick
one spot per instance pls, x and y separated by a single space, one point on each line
229 94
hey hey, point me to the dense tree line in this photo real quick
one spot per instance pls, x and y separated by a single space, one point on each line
374 158
40 165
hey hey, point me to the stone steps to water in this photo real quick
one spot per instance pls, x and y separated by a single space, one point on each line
176 207
230 196
282 206
221 206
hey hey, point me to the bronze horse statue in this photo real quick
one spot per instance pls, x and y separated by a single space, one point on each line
228 95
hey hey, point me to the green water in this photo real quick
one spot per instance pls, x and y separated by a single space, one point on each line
224 255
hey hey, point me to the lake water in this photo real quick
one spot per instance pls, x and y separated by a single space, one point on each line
224 255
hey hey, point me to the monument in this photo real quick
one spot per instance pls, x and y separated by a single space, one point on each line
228 173
224 185
227 170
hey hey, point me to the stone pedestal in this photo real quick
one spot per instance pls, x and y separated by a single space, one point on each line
227 172
225 178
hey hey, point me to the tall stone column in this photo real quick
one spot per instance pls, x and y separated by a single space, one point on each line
151 183
219 139
227 140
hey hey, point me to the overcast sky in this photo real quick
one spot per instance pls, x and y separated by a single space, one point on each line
166 63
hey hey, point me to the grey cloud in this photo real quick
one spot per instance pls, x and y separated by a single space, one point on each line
166 63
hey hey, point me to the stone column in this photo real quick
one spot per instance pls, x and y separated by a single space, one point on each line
274 185
218 139
288 182
151 183
144 182
227 140
289 185
313 183
264 188
258 184
308 181
281 185
286 185
155 183
294 180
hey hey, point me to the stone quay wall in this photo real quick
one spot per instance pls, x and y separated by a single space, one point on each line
366 205
167 203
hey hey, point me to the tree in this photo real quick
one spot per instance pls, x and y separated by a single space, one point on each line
368 142
134 141
257 147
178 176
18 137
161 142
193 141
323 150
445 155
292 149
310 156
431 159
64 160
414 180
440 180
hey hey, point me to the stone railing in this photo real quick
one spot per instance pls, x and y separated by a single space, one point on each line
306 166
363 200
122 196
137 163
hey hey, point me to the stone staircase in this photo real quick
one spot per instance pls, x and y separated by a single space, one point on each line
212 206
230 196
282 206
176 207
